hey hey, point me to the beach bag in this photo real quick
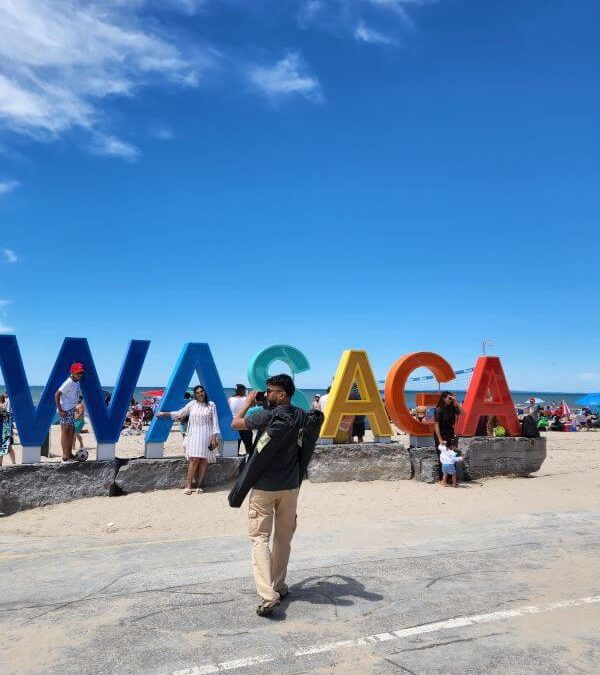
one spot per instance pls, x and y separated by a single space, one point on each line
307 439
499 432
529 427
212 455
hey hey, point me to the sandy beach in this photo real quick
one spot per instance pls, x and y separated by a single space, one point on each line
160 583
568 480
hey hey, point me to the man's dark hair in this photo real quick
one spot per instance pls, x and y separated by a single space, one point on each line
284 382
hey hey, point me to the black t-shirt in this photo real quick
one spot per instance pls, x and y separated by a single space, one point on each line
283 472
445 416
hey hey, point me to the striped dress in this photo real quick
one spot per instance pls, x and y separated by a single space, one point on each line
202 424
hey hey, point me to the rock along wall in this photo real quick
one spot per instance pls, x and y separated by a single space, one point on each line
143 475
487 456
360 461
28 486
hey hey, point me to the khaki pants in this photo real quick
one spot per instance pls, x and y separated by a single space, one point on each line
269 568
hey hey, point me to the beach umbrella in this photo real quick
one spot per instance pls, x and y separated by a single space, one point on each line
589 399
537 401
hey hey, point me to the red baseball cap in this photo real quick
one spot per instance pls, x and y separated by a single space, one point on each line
77 368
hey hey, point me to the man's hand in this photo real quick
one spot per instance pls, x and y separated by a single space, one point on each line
251 398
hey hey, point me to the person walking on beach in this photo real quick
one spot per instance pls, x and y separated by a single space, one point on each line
202 435
447 411
236 403
66 398
6 445
79 423
274 496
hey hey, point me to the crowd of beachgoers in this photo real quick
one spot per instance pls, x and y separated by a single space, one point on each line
548 416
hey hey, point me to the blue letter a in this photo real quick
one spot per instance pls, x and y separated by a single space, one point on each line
195 357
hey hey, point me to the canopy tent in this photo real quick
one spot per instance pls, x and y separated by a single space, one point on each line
154 393
589 400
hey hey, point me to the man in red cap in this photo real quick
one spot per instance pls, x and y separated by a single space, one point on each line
66 399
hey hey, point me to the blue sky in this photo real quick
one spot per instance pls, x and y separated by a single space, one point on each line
392 175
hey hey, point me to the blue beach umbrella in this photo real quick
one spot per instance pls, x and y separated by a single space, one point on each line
589 399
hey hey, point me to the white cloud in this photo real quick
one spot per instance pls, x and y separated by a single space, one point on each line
59 59
310 9
161 132
5 329
114 147
10 256
356 17
365 34
286 78
8 186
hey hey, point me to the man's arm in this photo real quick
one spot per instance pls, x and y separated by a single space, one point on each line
239 423
57 396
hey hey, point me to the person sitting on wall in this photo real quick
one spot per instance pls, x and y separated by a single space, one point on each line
66 398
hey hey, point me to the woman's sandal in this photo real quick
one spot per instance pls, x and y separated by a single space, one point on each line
199 491
187 491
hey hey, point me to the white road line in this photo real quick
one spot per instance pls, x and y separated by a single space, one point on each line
399 634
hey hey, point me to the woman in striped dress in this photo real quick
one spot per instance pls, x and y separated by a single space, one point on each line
202 430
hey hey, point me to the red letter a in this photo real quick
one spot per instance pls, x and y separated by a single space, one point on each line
488 394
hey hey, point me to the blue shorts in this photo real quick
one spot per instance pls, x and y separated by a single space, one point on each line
450 469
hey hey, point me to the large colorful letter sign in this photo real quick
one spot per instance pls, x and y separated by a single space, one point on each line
195 357
395 399
33 423
258 370
354 366
488 394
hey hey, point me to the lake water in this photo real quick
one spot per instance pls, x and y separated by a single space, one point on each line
518 396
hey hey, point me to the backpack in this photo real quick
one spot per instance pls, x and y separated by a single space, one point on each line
307 439
529 427
283 429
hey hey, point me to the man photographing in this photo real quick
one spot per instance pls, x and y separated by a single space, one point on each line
274 494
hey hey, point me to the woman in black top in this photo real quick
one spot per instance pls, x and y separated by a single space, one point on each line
448 409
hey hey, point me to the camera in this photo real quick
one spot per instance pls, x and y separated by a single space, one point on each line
261 397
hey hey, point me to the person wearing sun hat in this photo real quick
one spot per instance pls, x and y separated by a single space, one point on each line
66 398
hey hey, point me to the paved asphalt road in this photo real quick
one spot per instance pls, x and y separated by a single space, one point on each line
520 595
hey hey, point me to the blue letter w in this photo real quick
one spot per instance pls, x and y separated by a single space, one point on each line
33 422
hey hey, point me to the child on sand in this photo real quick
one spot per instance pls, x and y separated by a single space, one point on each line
135 427
449 458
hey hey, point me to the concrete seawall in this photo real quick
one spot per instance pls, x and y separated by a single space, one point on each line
32 485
